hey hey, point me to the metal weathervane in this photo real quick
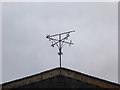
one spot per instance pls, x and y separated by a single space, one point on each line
61 40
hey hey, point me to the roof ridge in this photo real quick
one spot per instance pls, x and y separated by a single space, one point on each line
60 71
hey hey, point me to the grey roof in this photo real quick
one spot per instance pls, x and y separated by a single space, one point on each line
60 71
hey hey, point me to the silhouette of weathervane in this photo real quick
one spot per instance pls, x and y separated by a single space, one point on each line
61 40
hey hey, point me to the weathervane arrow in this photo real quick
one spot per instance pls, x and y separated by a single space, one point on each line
60 42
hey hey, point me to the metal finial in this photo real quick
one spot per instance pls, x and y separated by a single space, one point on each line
60 42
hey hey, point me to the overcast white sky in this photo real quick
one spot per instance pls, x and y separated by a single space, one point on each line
26 51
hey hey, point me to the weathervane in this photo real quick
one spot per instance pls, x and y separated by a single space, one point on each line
60 42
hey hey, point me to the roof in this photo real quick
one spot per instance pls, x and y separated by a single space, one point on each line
60 71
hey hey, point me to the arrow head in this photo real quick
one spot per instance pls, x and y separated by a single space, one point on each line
47 36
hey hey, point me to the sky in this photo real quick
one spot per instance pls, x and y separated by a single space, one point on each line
26 51
0 43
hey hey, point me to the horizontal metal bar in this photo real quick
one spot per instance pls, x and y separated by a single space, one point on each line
61 33
68 42
56 39
61 41
53 39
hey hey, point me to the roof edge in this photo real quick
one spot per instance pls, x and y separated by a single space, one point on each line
61 71
91 76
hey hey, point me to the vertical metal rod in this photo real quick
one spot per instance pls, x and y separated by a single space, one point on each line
60 53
